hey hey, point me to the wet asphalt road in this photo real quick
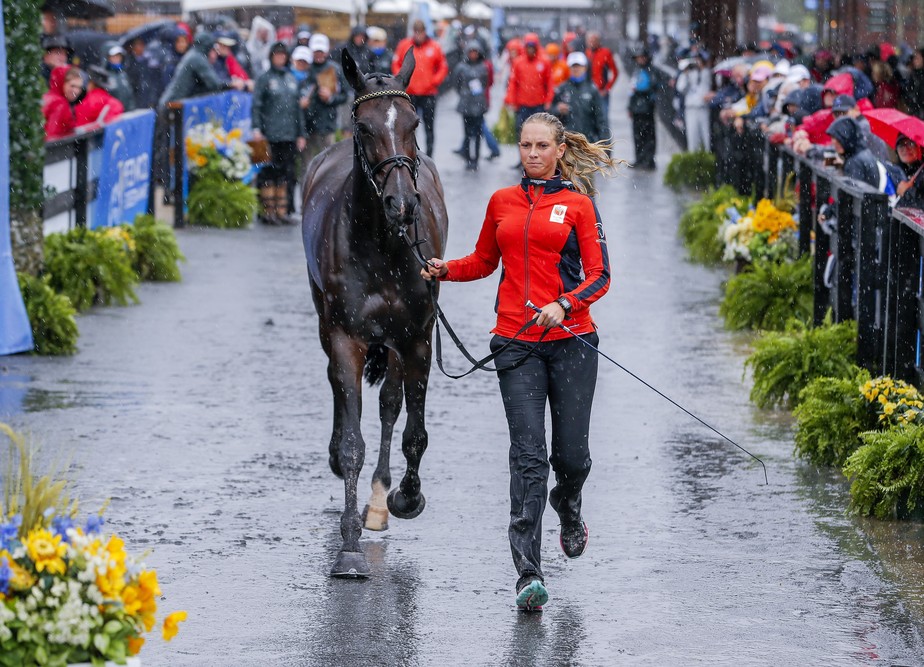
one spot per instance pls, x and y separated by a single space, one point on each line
204 414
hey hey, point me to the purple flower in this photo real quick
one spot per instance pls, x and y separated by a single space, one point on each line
9 531
94 524
5 574
60 525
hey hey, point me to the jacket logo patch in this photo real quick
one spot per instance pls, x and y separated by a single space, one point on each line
558 213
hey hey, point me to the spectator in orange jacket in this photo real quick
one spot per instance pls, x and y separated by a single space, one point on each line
529 89
429 72
98 104
603 69
560 70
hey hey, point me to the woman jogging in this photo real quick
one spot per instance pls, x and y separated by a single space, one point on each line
549 235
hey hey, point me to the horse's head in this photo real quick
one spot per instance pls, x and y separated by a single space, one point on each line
384 133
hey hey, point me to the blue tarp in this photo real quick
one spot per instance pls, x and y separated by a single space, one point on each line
15 331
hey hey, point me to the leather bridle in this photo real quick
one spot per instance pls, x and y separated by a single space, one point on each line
390 163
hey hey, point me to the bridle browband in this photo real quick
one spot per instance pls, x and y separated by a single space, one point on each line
392 162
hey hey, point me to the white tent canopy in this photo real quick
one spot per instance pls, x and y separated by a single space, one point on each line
438 10
343 6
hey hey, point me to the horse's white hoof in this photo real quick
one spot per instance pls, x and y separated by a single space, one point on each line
376 518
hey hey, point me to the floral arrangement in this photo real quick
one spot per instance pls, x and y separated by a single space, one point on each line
763 233
210 149
68 592
895 402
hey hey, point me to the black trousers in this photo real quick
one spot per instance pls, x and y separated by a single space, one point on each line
562 373
472 126
643 131
282 168
426 109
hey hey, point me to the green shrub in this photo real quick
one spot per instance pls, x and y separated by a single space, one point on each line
700 223
90 267
217 202
831 414
769 294
156 253
887 473
693 170
54 330
785 362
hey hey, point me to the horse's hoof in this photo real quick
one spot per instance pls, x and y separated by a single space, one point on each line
334 464
403 508
350 565
375 518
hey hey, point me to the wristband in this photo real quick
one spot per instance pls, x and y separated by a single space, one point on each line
564 303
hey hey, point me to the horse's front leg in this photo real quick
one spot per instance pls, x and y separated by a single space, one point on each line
345 371
376 513
406 501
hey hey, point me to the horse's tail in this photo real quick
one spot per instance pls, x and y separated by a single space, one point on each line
376 363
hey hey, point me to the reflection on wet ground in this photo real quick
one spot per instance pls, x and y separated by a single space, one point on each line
204 415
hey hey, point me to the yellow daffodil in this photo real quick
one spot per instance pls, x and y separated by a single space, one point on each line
131 600
171 624
135 644
46 551
20 578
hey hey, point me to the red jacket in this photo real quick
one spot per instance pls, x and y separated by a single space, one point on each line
92 105
430 69
235 68
59 117
530 83
602 63
546 234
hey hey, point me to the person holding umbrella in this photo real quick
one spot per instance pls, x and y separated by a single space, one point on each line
910 159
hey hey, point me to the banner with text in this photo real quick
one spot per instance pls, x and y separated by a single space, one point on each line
124 183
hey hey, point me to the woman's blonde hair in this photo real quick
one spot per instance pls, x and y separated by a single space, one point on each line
582 159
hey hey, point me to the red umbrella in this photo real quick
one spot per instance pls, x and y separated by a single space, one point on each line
887 124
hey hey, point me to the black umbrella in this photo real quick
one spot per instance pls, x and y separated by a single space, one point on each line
80 9
148 32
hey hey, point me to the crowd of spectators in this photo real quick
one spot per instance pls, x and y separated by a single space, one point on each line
814 103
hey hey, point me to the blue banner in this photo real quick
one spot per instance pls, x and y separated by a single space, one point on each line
124 183
228 111
15 330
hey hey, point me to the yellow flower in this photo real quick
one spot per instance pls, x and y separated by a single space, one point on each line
135 644
235 133
46 551
131 600
889 408
20 579
171 624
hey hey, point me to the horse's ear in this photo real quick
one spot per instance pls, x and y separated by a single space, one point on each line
407 68
351 71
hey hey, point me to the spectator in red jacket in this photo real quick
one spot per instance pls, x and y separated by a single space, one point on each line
430 70
64 87
529 89
603 69
227 66
98 105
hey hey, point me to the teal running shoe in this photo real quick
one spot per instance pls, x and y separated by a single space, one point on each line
532 596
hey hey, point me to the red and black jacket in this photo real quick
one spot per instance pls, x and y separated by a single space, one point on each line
552 244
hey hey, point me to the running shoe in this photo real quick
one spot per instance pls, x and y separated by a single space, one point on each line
532 595
573 538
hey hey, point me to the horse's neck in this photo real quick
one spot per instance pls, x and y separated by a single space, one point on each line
367 215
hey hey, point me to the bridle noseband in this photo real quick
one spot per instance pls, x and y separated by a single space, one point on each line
392 162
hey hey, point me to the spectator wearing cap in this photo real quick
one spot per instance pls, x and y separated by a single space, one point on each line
603 69
578 103
98 105
226 65
471 79
357 48
119 85
65 86
144 73
642 110
911 162
430 70
302 36
277 117
56 51
529 88
695 83
381 55
322 94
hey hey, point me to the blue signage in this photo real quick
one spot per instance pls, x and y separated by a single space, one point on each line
124 183
15 330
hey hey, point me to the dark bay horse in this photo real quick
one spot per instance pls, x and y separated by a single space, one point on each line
376 313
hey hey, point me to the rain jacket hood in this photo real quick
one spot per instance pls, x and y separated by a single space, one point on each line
205 42
848 132
56 83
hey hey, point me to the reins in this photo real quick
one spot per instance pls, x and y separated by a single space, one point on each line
413 166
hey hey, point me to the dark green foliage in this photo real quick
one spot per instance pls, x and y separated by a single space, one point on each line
831 415
51 315
887 473
693 170
700 223
785 362
768 294
90 268
156 253
217 202
22 22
